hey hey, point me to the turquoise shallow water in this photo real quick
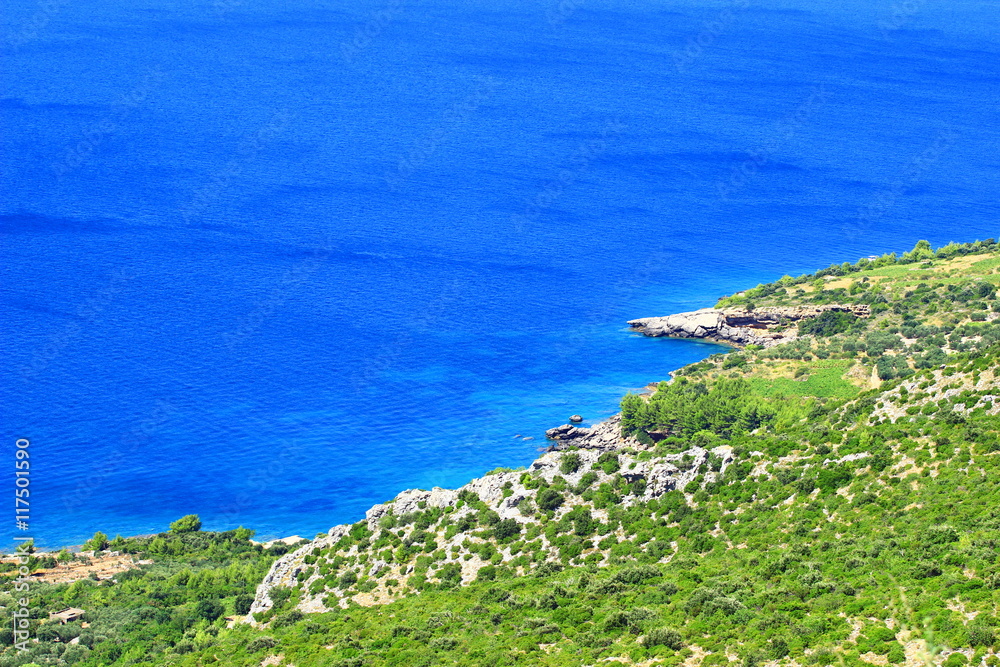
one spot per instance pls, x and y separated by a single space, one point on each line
272 263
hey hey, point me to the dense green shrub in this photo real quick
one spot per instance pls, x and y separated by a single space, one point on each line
663 637
636 575
286 619
261 643
981 635
186 524
630 620
828 323
569 463
955 660
549 499
608 462
209 609
506 529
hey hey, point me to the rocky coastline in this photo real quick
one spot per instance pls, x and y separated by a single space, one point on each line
503 492
764 327
603 437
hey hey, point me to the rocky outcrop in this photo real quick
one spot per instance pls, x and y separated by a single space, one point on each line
566 432
604 436
284 571
411 500
737 326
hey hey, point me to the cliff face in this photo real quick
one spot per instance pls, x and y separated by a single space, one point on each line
764 327
284 571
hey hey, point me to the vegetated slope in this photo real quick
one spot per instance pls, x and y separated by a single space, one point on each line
174 600
829 501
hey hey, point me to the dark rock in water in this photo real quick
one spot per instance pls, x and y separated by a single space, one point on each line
576 419
528 438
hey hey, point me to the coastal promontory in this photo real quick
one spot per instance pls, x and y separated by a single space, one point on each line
764 327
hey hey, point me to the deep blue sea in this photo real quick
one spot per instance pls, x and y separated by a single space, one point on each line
273 262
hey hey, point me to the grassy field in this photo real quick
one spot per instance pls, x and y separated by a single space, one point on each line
823 379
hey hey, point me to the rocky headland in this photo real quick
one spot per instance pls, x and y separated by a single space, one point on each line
765 327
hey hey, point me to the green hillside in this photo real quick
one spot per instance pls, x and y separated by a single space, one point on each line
832 500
